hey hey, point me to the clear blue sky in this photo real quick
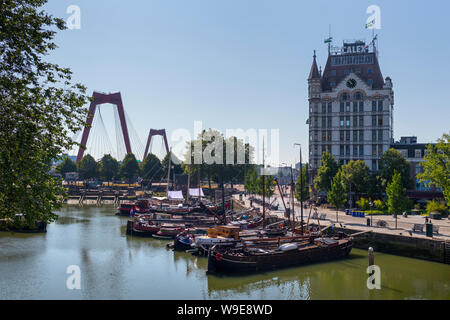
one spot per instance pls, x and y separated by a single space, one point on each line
244 63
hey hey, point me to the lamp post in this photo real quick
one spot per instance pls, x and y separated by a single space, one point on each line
301 188
371 213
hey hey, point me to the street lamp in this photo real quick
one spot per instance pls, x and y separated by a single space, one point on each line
371 213
301 188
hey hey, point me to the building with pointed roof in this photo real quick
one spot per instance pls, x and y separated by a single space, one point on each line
350 107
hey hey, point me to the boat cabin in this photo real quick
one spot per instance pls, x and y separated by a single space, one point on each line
225 232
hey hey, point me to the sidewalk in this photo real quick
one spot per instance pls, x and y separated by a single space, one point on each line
404 225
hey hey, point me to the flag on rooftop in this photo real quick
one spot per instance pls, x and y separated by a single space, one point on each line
329 40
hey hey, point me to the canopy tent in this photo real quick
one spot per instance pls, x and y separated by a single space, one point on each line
175 195
193 192
160 198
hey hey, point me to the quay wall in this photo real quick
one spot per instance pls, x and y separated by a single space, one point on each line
407 246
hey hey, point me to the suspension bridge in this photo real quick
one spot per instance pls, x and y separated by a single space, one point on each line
96 135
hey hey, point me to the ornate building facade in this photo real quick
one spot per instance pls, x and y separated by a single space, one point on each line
350 107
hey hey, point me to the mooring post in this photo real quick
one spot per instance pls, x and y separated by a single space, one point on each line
371 257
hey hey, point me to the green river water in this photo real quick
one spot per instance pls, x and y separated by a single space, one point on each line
116 266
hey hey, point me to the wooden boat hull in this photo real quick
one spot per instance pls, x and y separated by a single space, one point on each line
225 263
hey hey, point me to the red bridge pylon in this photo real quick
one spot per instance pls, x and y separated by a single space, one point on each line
152 133
101 98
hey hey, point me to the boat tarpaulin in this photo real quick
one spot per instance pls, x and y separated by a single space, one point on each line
175 195
193 192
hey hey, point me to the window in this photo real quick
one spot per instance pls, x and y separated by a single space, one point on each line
324 108
404 153
333 73
316 137
329 137
361 106
361 121
355 151
358 71
355 121
324 136
330 109
418 153
358 96
370 82
380 121
369 71
380 149
374 121
342 107
341 121
355 135
374 135
374 106
324 122
333 84
346 72
329 122
347 107
361 135
347 135
361 150
347 121
347 150
380 135
344 96
380 105
316 122
374 149
341 150
355 106
374 165
341 136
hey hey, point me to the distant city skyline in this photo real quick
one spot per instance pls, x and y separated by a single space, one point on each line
234 64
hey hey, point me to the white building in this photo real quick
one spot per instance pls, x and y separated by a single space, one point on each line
350 107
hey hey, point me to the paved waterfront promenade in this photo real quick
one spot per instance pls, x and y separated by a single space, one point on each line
404 225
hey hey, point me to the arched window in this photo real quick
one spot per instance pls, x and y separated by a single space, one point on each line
344 96
358 96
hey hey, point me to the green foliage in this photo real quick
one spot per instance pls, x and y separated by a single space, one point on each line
375 188
337 196
436 206
88 168
151 168
250 180
436 167
392 161
326 172
269 184
129 169
65 166
395 192
363 204
305 176
40 108
355 176
108 168
379 205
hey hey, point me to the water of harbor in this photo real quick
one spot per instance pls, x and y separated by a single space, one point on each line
116 266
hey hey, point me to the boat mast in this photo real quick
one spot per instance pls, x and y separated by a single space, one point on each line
168 171
198 181
293 201
263 189
188 183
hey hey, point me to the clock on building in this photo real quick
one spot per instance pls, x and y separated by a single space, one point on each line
351 83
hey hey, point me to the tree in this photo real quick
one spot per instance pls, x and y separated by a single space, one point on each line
88 168
436 167
151 168
355 176
391 161
250 180
65 166
129 169
326 172
108 168
337 196
374 189
396 196
305 176
269 186
40 108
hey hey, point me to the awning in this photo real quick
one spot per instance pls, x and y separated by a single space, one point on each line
175 195
193 192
